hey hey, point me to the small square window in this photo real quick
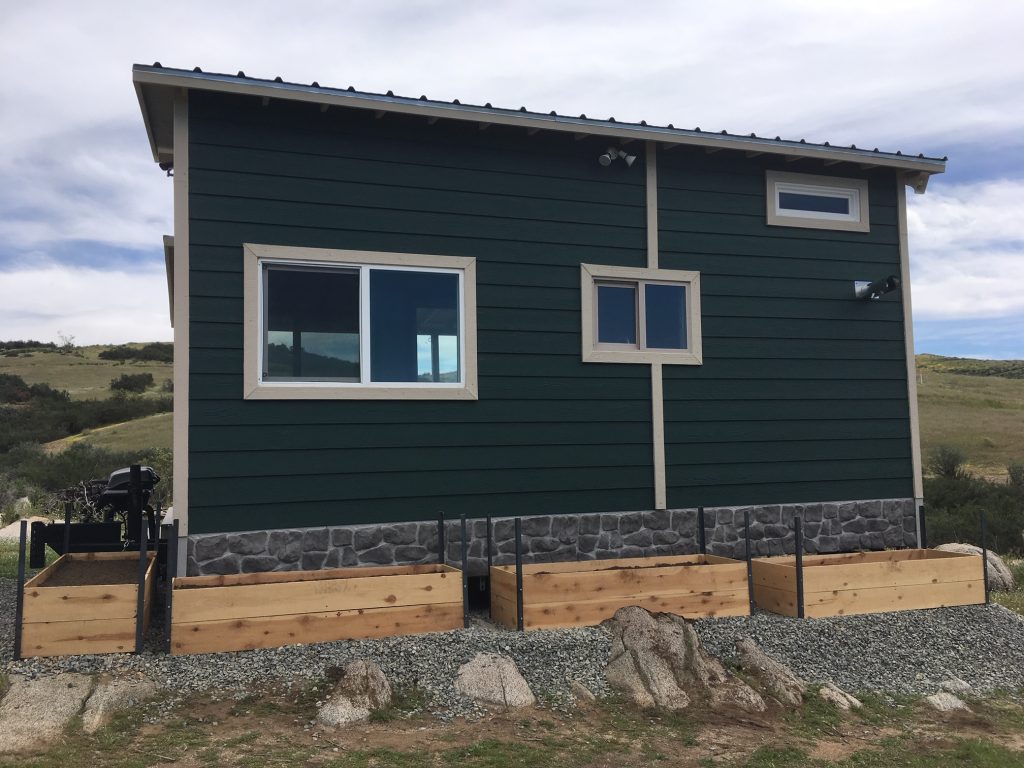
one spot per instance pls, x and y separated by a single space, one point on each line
818 202
640 315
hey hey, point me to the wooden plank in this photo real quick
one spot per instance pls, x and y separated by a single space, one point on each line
278 577
302 597
71 603
276 631
62 638
893 573
591 612
633 582
503 610
150 592
885 599
781 601
777 575
601 565
845 558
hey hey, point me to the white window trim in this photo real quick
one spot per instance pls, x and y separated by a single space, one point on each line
593 352
255 388
854 190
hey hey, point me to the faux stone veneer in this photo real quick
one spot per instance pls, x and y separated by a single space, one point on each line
828 527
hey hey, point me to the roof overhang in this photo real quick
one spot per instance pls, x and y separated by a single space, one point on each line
156 87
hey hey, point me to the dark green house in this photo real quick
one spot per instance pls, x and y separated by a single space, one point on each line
386 308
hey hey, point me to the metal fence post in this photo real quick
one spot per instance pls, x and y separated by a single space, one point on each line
172 572
442 556
798 524
519 574
701 536
19 605
140 603
68 506
465 577
984 553
923 543
490 546
750 563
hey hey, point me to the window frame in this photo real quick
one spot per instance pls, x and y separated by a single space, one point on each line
256 388
854 190
594 275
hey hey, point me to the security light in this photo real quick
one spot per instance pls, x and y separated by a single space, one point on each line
607 157
863 289
616 154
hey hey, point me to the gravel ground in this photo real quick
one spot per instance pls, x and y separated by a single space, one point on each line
908 652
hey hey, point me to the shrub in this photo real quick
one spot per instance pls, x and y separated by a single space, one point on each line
1015 472
948 461
953 508
158 351
167 386
132 382
13 389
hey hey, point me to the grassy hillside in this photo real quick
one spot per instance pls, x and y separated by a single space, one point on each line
134 435
81 373
974 405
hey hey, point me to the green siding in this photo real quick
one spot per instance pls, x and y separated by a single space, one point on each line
771 416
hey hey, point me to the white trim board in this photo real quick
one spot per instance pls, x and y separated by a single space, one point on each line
180 490
908 336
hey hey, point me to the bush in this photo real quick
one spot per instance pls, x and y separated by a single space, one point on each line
167 386
953 509
132 382
1015 473
13 389
948 461
158 351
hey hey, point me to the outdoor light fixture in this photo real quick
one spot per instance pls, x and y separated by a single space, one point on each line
863 289
616 154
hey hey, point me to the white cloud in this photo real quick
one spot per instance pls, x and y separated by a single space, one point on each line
967 247
93 305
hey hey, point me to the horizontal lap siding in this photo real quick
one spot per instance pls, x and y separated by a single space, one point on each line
548 434
802 395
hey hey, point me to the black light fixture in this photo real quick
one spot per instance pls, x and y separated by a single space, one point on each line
616 154
865 290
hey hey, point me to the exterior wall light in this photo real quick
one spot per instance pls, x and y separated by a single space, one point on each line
865 290
616 154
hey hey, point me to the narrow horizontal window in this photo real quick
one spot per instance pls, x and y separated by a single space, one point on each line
356 324
819 202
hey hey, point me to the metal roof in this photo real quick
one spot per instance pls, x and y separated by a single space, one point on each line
156 86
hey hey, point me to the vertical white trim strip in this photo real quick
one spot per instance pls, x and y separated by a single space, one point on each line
658 435
908 335
651 165
181 313
657 381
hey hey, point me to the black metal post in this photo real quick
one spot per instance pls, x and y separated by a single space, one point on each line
519 574
140 603
701 542
490 546
172 572
465 577
68 506
441 555
750 563
19 604
984 552
798 524
923 542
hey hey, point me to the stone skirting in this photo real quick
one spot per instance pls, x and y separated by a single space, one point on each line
828 527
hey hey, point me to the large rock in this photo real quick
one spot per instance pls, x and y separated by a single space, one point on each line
494 680
112 696
943 701
34 713
1000 578
832 694
775 676
361 690
657 661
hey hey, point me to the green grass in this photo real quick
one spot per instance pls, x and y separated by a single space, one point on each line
83 374
9 559
1013 600
136 435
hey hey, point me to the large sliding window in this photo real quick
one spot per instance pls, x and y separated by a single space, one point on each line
348 324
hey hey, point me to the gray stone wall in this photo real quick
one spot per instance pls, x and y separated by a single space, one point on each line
828 527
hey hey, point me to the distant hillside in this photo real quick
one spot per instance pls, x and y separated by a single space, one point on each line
974 405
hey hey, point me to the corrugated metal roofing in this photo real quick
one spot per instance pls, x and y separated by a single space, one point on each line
157 75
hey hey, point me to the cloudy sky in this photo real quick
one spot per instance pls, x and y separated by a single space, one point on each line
83 208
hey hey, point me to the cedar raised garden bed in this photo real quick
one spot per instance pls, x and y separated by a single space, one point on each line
268 610
585 593
869 582
85 603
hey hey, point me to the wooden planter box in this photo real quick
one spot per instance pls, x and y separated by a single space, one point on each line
85 603
869 582
268 610
588 592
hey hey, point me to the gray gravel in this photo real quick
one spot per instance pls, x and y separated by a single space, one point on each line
908 652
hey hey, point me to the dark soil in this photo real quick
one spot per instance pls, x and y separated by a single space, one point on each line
77 573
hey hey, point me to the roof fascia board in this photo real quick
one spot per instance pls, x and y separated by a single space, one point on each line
150 133
294 92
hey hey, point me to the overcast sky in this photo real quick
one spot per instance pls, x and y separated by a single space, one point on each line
83 207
